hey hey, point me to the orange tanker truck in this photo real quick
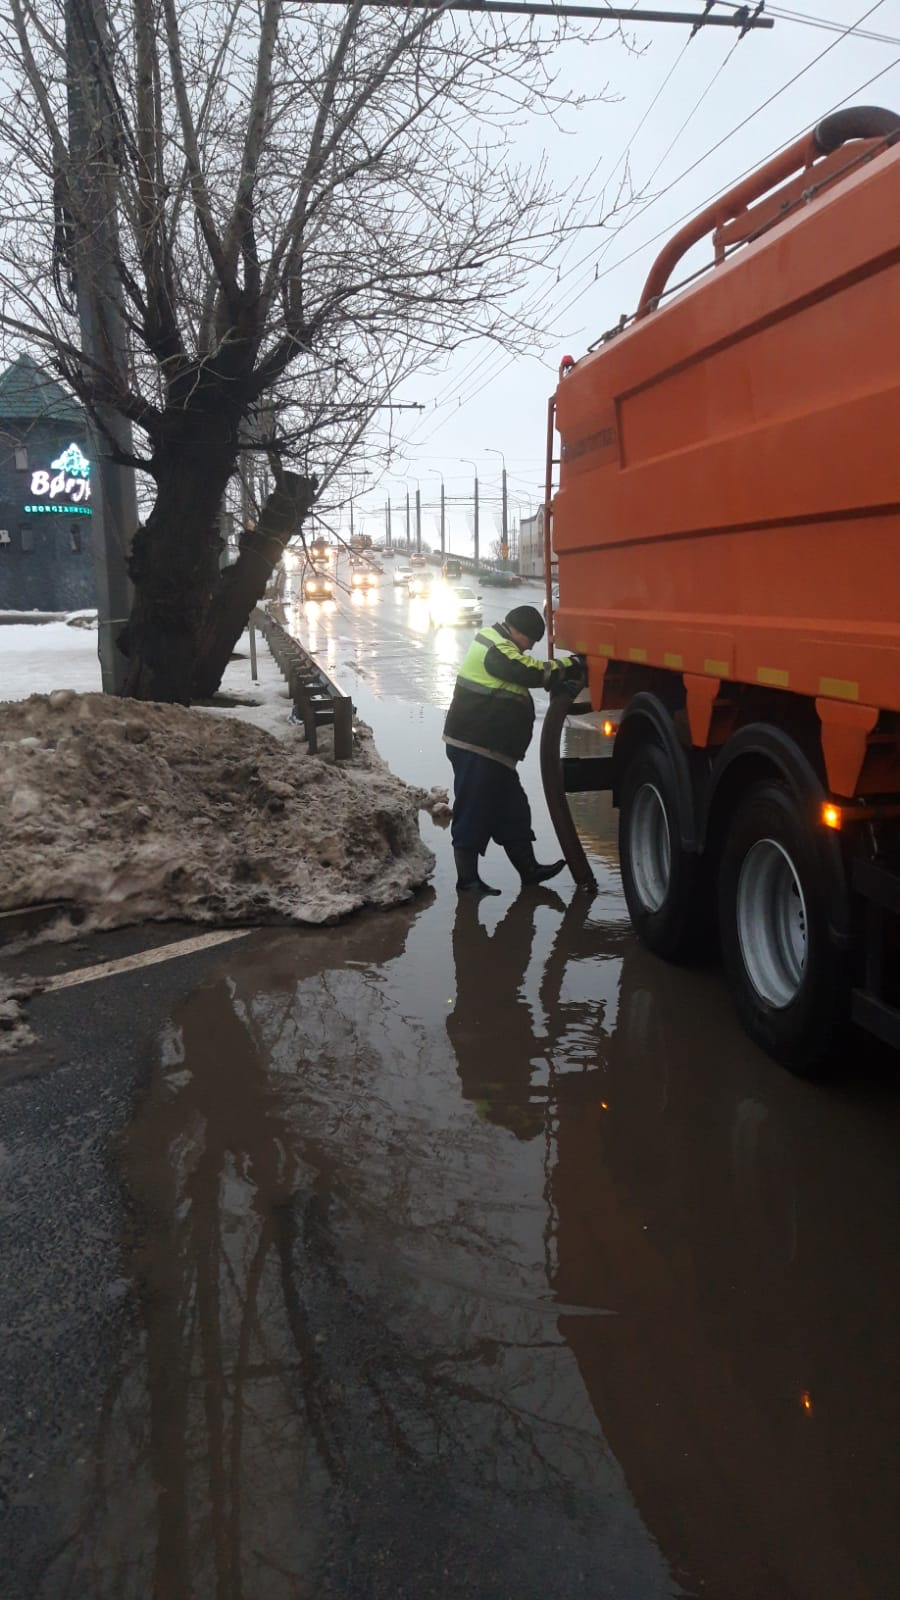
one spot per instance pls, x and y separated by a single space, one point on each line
726 521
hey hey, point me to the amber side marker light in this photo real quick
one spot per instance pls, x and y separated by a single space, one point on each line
831 815
610 729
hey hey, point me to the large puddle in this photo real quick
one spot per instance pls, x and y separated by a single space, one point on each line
473 1252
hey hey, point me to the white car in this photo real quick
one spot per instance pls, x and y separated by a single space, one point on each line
453 605
401 576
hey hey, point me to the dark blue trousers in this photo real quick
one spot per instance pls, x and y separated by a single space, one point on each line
488 803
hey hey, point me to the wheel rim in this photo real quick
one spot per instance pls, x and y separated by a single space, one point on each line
650 847
772 923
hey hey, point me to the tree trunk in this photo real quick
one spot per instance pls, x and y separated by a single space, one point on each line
243 585
175 570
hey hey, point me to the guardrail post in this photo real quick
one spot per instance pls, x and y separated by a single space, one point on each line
303 706
343 728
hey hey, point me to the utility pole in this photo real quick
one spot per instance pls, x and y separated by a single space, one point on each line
92 138
443 513
387 525
408 546
351 524
504 532
467 461
504 536
418 521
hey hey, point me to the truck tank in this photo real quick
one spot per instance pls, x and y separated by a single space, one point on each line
727 521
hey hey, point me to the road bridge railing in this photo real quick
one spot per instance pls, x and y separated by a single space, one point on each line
318 702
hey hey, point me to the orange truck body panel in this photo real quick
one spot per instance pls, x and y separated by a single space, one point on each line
729 488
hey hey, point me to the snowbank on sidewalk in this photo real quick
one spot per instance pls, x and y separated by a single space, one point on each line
133 811
38 657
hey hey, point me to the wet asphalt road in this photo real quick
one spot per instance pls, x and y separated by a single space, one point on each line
461 1251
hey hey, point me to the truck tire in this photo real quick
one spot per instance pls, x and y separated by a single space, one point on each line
663 882
789 981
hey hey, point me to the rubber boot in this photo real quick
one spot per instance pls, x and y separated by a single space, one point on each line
467 877
521 854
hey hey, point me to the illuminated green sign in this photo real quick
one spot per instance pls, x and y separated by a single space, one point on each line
64 486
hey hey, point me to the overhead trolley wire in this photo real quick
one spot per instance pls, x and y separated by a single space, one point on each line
667 231
478 358
464 397
806 19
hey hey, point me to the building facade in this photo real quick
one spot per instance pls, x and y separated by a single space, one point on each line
531 546
45 495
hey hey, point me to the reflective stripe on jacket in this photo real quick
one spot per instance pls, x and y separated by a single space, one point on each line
492 710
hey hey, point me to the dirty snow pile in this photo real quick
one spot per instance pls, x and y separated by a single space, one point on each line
14 1029
129 811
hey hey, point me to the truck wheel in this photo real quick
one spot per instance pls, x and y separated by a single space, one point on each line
662 882
788 979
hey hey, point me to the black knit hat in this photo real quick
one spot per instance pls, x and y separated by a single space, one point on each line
527 620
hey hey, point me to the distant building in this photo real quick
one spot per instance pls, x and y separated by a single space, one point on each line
531 546
45 495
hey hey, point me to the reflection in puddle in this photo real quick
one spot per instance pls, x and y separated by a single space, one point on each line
475 1253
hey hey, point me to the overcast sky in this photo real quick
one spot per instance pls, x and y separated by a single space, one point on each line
710 85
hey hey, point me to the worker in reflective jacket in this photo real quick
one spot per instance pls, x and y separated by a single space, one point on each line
487 732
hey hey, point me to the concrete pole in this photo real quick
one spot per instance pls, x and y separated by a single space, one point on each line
476 523
442 518
101 315
407 523
504 537
418 521
387 525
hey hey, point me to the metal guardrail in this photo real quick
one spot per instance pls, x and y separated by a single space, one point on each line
317 701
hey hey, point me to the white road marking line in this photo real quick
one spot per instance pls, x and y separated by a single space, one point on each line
144 958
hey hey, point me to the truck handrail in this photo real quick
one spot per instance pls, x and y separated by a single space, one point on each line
856 122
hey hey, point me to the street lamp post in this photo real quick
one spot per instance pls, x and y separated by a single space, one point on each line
364 473
441 476
467 461
504 534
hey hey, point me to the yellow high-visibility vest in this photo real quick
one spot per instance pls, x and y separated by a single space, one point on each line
474 675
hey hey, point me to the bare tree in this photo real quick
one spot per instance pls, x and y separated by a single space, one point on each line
275 213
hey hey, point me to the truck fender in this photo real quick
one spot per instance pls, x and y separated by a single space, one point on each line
763 746
647 717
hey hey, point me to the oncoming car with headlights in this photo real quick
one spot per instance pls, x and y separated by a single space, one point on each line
454 605
420 583
362 577
317 586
